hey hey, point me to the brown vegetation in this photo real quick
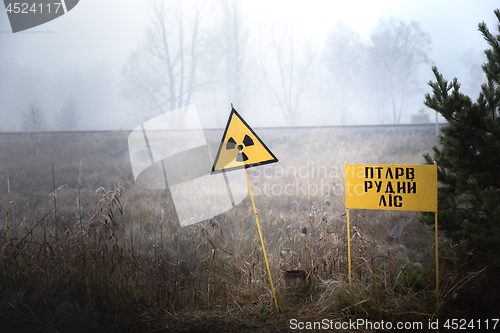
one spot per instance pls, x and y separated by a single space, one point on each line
83 248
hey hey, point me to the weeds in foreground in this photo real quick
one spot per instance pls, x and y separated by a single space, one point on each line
111 264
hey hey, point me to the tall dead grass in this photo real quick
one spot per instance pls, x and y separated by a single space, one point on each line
118 260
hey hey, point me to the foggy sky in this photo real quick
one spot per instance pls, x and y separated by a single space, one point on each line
82 53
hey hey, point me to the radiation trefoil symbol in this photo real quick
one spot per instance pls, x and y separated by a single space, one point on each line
231 144
234 154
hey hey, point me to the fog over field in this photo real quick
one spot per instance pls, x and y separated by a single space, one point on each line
126 204
282 63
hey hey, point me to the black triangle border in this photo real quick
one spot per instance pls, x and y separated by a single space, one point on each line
273 160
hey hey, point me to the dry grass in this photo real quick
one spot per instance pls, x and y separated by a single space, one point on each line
116 260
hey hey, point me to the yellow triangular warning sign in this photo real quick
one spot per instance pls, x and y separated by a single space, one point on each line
240 147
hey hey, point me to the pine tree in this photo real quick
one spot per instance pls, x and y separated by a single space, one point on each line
469 158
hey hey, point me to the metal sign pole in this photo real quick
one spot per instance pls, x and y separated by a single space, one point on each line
262 242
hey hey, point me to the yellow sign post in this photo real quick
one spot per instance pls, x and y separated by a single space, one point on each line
241 148
392 187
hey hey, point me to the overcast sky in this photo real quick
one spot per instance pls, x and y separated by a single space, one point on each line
82 53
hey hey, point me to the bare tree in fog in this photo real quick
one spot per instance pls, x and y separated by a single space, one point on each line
33 119
344 57
421 117
397 53
225 64
161 73
473 61
292 67
68 116
235 47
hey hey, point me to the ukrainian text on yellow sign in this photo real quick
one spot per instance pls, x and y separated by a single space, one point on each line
391 187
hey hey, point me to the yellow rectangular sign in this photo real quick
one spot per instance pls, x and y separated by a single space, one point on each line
391 187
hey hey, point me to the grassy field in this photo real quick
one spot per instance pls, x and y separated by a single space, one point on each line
83 248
